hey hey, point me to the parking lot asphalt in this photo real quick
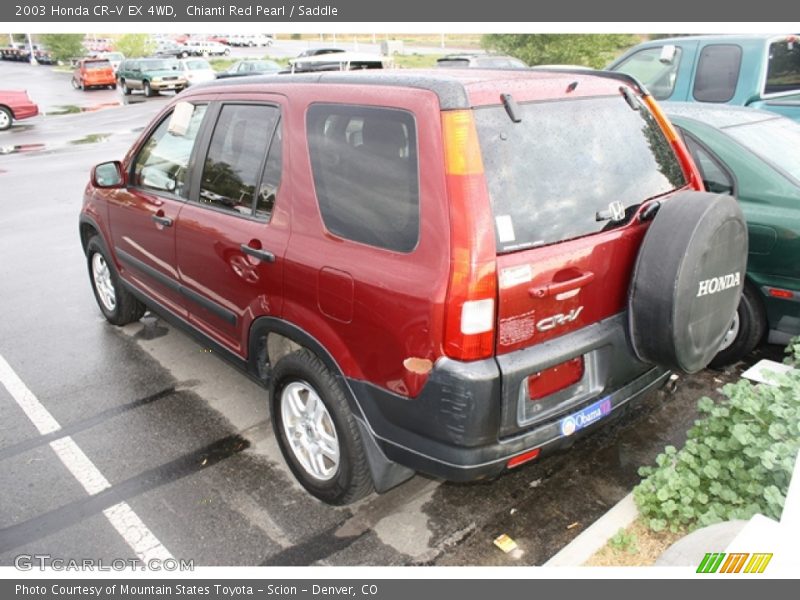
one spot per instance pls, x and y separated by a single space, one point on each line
155 445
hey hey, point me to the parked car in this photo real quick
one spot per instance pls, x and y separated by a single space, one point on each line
759 71
92 44
754 155
196 70
427 271
115 58
15 104
151 75
339 61
205 48
318 51
16 51
173 50
250 67
43 55
93 72
480 61
251 39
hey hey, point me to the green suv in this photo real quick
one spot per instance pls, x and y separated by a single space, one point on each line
151 75
753 155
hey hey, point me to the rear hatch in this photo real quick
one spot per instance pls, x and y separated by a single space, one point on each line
98 71
566 182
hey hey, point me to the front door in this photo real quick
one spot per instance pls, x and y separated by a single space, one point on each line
142 216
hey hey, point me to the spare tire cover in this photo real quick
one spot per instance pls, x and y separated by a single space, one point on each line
688 280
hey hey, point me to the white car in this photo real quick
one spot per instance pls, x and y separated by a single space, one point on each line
251 39
115 58
196 70
206 48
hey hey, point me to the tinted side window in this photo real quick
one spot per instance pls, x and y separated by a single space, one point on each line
163 160
783 71
715 178
235 157
656 68
364 162
717 73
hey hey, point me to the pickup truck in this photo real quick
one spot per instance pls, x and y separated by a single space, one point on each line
761 71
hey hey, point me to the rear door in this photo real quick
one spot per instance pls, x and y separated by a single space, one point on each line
232 235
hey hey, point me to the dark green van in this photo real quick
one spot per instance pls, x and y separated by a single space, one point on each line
151 75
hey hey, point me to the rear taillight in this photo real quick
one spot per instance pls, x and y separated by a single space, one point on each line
693 176
520 459
552 379
779 293
472 290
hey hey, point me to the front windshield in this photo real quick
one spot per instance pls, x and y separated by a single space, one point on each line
776 140
160 65
198 65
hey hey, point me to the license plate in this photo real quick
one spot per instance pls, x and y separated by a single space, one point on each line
583 418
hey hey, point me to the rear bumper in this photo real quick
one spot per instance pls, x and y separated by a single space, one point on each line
168 85
466 423
25 111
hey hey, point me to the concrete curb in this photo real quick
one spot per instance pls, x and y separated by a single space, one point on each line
579 550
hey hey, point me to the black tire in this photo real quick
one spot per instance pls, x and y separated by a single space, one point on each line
148 91
752 324
125 89
6 118
350 479
125 307
75 85
113 86
687 281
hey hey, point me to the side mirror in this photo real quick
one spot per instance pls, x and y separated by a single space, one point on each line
108 175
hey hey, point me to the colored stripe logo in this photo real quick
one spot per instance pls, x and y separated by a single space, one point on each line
736 562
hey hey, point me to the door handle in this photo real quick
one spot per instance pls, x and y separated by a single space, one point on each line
165 221
559 287
263 255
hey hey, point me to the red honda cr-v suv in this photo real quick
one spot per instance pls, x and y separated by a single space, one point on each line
446 272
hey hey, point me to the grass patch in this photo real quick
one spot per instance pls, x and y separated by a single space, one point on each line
636 546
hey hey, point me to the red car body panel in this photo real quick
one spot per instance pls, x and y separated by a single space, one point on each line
20 104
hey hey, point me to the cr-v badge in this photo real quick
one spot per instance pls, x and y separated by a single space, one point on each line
559 319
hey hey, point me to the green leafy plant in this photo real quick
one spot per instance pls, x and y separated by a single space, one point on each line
737 460
64 46
591 50
624 542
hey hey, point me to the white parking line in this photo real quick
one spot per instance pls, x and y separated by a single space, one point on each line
121 516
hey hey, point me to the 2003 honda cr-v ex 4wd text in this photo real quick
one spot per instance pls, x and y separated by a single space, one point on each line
450 273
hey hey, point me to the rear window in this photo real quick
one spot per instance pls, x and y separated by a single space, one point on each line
364 162
656 68
568 166
458 63
96 64
783 71
717 73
